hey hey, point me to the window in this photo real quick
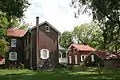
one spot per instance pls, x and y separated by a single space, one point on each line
47 29
76 59
92 58
70 59
44 54
83 57
13 42
12 56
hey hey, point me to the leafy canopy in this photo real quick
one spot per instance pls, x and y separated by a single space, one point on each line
14 8
66 39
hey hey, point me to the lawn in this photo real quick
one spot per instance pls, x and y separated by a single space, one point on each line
58 74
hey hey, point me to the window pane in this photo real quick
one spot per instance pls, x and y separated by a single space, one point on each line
44 54
12 56
13 42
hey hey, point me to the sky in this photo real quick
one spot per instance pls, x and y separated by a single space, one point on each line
57 12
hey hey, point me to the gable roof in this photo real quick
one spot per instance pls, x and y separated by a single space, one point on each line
45 22
81 47
16 32
105 55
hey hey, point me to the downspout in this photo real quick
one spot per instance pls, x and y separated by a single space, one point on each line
37 41
30 49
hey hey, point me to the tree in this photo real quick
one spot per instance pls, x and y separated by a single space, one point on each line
89 34
14 9
105 13
3 32
11 11
66 39
3 46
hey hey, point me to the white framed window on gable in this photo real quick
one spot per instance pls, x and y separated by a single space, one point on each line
47 28
13 56
44 54
13 42
92 58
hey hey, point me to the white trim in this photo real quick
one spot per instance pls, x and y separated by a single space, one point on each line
70 59
76 62
13 42
49 25
13 56
68 49
44 55
92 58
83 56
47 28
95 54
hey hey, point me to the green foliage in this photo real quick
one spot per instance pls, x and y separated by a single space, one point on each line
58 74
89 34
11 11
14 8
106 13
23 26
3 46
21 66
3 20
66 39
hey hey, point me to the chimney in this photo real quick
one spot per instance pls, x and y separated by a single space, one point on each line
37 21
37 41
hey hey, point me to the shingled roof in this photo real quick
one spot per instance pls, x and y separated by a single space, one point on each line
16 32
79 47
83 47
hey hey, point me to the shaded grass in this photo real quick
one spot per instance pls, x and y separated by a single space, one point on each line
58 74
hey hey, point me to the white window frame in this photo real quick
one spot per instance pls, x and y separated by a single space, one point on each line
42 55
92 58
70 59
15 56
47 28
76 62
13 42
82 57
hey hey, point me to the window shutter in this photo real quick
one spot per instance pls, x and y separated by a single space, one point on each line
44 54
13 56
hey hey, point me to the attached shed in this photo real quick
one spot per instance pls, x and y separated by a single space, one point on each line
103 59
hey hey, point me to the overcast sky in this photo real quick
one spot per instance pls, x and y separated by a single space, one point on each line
57 12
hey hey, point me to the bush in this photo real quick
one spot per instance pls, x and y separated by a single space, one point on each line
21 66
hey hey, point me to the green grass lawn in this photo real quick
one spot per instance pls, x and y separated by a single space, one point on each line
58 74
